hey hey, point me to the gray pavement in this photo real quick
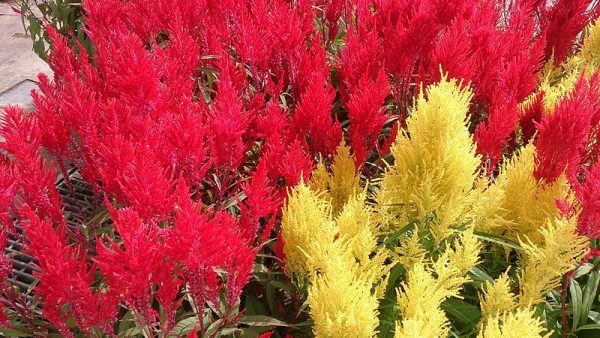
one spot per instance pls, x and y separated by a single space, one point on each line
19 65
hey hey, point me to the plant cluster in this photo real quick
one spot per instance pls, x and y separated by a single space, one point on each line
323 168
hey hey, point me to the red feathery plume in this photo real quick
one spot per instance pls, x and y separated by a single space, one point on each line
563 135
588 194
367 115
66 279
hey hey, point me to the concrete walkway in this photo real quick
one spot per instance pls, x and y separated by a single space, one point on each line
19 65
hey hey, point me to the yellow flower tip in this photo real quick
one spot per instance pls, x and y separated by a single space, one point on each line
419 301
342 302
306 216
560 250
341 183
521 323
497 298
519 191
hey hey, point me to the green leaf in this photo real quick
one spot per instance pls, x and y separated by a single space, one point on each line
388 314
39 48
6 332
126 322
212 329
185 326
462 311
258 320
496 239
232 332
286 287
588 327
395 274
132 332
583 269
576 302
594 316
253 306
480 277
588 295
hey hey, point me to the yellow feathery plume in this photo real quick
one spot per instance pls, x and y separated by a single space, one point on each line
487 207
465 253
555 91
306 218
497 298
342 183
410 251
422 295
527 203
435 165
544 264
345 274
420 302
456 261
558 81
521 323
341 299
358 227
359 231
319 179
588 57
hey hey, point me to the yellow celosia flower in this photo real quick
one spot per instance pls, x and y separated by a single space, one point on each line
410 251
588 57
343 182
341 299
465 252
544 264
319 179
454 264
553 92
420 305
306 218
338 256
487 207
435 164
521 323
526 203
422 294
356 224
497 298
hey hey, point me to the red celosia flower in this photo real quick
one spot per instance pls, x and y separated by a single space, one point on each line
362 57
65 279
187 106
36 183
563 135
7 194
228 122
289 163
562 23
588 194
131 269
145 187
531 116
366 115
261 203
312 118
201 245
5 269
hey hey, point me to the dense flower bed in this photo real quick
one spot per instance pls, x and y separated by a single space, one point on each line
330 168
